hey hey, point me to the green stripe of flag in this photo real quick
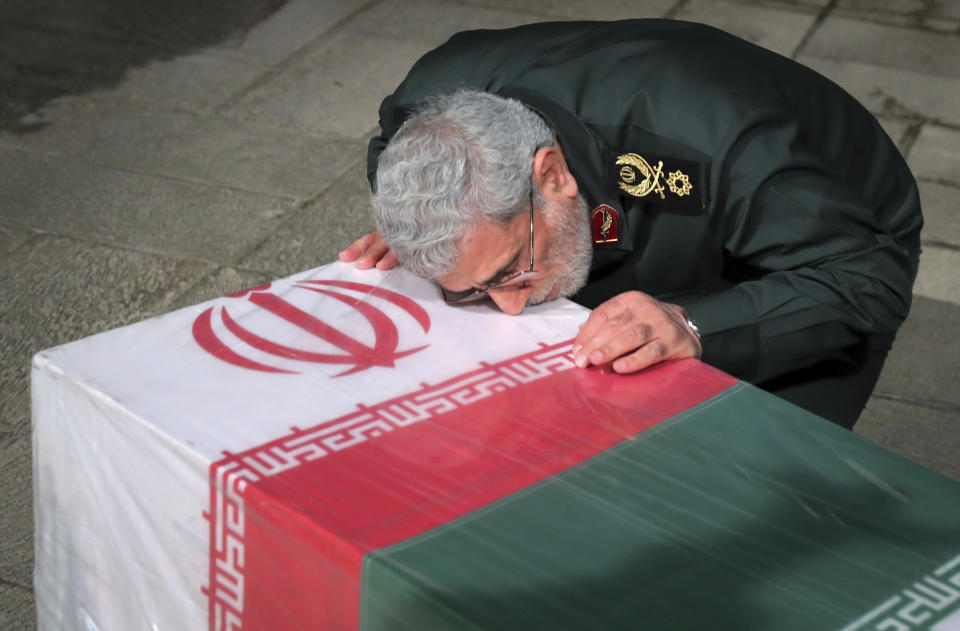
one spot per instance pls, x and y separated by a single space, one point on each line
741 513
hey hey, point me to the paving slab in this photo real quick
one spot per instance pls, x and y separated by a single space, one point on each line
404 19
945 8
318 233
910 20
595 10
936 154
946 25
938 277
16 518
941 213
801 5
340 74
94 129
291 27
11 238
335 88
903 7
156 213
790 3
200 148
194 82
16 608
779 30
37 66
932 14
176 24
924 363
20 99
66 59
889 91
845 39
926 435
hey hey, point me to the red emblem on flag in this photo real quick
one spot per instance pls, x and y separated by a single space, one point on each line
605 222
356 354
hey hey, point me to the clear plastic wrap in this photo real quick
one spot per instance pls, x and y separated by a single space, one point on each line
341 450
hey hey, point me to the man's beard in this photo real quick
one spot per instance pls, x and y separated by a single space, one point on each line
571 252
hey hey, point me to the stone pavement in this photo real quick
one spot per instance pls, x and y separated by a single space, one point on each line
153 155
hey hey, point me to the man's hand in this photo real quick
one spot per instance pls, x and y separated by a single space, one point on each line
636 331
368 251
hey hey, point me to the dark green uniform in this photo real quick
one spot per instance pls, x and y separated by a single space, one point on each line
728 179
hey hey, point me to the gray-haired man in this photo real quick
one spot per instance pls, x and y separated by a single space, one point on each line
707 198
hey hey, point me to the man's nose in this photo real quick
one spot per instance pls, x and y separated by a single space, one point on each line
511 300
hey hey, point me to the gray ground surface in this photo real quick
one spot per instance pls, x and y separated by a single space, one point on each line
153 155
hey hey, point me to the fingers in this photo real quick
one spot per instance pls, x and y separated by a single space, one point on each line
633 331
647 355
369 251
389 261
621 331
605 323
358 247
372 255
597 320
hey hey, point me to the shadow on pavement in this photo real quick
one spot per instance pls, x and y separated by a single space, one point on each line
49 48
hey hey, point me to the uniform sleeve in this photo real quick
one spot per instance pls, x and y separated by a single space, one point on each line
823 257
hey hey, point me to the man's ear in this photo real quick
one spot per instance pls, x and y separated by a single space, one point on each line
552 175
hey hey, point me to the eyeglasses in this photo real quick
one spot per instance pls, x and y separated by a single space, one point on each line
469 295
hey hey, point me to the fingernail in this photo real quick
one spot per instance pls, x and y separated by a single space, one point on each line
576 349
596 357
580 361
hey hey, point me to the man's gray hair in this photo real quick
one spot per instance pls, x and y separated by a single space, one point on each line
462 158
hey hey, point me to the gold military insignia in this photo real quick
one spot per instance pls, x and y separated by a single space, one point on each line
684 180
607 224
639 178
633 163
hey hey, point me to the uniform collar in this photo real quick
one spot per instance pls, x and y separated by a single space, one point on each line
584 154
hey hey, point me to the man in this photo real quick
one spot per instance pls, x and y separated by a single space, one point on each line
708 198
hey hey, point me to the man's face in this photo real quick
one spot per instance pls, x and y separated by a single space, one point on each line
562 253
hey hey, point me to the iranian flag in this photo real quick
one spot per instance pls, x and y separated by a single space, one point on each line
342 450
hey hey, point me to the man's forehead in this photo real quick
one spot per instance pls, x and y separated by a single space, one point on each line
484 250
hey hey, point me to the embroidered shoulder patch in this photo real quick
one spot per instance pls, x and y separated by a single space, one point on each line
672 182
